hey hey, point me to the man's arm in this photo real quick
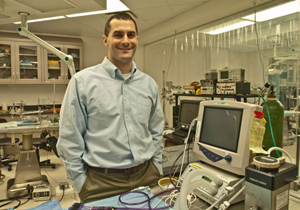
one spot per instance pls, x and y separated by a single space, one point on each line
70 145
156 127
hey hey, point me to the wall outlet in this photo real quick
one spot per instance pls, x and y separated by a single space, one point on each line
43 101
68 192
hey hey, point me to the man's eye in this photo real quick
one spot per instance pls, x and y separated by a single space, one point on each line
131 35
118 35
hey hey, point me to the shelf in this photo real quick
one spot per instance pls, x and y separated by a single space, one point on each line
4 54
238 97
33 55
24 68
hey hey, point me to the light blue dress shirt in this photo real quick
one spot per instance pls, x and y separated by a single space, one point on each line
109 122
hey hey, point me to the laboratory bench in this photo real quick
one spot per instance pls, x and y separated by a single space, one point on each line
59 175
237 97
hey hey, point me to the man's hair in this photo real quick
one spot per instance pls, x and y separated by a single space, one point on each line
119 16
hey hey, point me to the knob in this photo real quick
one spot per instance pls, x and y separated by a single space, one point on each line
228 158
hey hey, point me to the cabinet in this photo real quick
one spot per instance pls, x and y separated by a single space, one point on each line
7 61
55 69
24 62
28 63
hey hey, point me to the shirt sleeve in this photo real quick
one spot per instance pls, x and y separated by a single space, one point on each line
70 145
156 127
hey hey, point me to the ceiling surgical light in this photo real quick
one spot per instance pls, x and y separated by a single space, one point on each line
23 31
42 19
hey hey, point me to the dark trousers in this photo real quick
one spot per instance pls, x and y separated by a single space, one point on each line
99 185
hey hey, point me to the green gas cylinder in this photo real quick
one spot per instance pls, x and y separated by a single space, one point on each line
276 113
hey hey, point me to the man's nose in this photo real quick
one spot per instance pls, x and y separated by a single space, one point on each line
125 39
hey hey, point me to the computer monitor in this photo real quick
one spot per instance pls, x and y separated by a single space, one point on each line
222 134
188 111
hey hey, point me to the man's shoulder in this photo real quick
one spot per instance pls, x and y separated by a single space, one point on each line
145 76
89 70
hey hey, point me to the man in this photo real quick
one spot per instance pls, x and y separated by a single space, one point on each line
111 121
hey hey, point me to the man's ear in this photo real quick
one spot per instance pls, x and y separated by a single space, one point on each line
104 39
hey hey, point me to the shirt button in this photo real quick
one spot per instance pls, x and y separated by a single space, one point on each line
130 132
125 98
134 150
127 116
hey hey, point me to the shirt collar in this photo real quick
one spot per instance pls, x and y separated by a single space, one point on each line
113 71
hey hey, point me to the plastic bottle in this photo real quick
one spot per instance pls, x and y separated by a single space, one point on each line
276 114
257 133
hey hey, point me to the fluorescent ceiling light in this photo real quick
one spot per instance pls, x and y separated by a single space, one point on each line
111 6
268 14
42 19
232 25
275 12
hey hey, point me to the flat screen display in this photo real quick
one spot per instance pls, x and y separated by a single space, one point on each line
224 74
220 127
188 111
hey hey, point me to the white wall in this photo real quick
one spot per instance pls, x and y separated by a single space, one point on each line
30 94
94 51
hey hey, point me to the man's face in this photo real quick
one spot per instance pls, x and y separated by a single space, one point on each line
121 41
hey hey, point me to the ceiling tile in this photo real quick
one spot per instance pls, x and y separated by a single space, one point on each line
176 2
3 16
138 4
44 7
154 13
178 9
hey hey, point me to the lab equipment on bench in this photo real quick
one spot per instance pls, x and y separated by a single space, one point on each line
231 88
267 183
222 145
231 75
222 134
214 184
188 110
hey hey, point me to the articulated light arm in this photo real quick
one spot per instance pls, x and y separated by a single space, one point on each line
23 31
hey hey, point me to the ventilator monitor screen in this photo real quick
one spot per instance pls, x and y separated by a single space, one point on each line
222 134
228 121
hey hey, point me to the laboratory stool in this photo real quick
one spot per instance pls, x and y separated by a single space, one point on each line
5 161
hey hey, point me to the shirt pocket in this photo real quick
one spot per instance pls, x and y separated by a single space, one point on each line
142 109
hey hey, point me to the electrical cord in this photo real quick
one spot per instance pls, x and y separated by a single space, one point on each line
63 193
146 201
18 199
185 144
257 44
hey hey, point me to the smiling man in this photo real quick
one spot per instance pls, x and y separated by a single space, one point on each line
111 121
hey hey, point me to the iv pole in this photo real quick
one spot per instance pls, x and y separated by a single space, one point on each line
23 31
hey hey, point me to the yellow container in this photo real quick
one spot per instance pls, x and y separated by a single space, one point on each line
53 64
